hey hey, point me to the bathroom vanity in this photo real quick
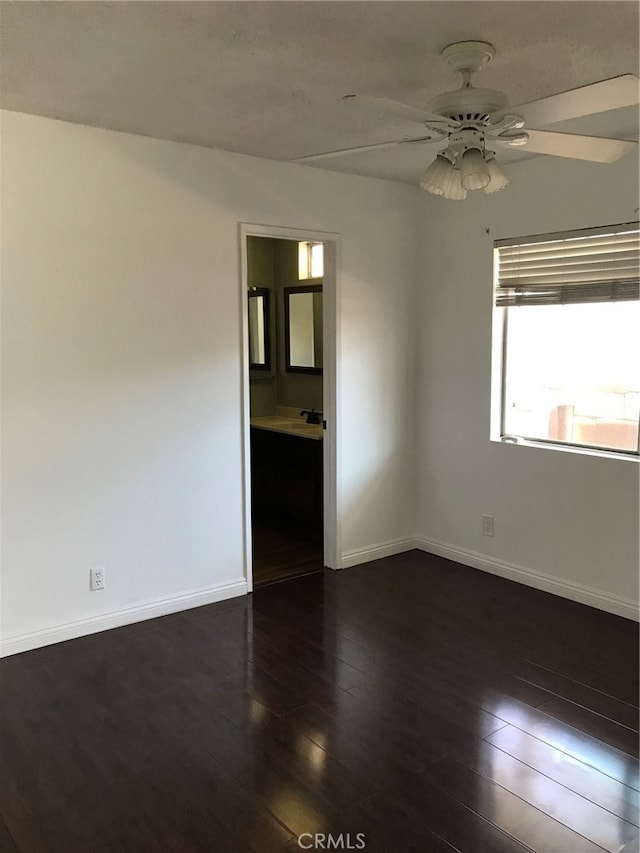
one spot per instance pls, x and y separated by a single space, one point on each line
287 472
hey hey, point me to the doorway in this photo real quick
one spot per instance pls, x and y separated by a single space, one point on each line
289 302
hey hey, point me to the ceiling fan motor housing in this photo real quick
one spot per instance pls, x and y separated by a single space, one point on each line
469 105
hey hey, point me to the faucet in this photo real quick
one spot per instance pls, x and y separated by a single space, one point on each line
313 417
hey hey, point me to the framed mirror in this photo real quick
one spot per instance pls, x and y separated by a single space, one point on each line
303 328
259 332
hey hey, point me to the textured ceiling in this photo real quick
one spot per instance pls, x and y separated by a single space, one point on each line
267 78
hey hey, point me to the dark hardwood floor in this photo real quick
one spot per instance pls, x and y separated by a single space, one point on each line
426 705
282 550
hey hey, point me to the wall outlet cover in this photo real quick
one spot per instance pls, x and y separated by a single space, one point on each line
96 578
487 525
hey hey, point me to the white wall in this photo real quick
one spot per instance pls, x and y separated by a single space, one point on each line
121 381
121 441
571 518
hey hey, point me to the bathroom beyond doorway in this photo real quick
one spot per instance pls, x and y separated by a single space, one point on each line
285 348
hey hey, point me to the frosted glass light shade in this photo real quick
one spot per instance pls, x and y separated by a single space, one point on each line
497 178
454 189
475 175
437 175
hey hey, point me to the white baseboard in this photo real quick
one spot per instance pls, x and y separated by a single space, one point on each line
530 577
377 551
114 619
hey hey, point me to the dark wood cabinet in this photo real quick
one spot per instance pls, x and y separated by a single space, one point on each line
286 479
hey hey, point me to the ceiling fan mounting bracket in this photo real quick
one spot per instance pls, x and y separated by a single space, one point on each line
436 134
511 138
506 122
465 57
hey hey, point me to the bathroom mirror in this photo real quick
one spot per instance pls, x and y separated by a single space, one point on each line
259 338
303 328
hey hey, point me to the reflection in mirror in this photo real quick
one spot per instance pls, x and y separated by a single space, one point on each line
303 329
259 342
310 260
301 336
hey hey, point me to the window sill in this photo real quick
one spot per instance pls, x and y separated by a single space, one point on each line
569 448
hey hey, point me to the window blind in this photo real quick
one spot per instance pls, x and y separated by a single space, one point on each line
592 265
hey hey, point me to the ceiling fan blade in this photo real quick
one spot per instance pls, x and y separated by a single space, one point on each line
398 109
611 94
597 149
377 145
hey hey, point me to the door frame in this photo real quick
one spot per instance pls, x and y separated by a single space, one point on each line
330 386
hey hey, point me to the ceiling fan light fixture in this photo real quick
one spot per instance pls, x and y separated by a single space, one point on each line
497 178
475 174
436 178
454 191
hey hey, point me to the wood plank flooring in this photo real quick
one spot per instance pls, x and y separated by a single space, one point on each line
282 551
426 705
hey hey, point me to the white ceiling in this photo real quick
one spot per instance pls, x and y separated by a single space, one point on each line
267 78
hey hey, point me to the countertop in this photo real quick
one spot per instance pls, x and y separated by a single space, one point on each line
288 426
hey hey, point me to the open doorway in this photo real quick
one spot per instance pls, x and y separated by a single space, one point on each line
289 329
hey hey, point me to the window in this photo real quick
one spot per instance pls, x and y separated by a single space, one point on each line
310 260
568 309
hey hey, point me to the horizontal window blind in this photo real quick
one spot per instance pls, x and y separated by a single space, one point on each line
592 265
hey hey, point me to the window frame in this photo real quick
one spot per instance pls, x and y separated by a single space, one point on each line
500 331
309 246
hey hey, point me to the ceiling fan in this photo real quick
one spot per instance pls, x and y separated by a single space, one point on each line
472 122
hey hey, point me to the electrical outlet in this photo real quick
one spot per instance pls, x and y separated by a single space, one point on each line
487 525
96 578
